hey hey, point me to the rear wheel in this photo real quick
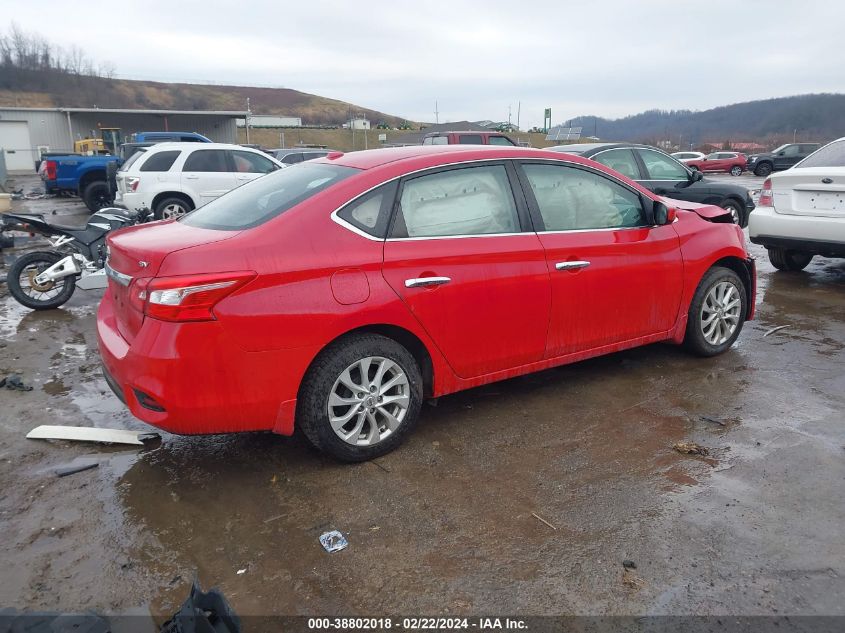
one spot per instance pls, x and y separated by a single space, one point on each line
716 313
172 208
360 398
763 169
28 292
784 259
736 170
97 195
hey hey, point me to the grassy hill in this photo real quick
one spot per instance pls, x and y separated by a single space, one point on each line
47 89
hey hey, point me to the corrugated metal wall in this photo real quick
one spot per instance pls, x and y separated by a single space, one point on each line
50 128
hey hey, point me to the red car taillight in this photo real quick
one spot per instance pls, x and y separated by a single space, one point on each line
766 197
50 170
132 183
188 298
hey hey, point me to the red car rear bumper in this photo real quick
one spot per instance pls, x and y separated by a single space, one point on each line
193 378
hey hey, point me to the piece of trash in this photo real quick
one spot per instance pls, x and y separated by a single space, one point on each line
539 518
776 329
274 479
629 564
704 418
72 469
333 541
630 579
90 434
275 518
203 612
241 571
690 448
15 383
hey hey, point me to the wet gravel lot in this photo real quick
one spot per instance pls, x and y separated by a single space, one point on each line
448 524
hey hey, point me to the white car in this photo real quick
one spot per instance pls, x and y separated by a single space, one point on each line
172 179
801 212
687 156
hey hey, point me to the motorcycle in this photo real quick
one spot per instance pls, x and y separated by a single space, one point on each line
47 279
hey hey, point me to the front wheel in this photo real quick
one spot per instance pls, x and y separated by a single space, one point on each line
737 210
360 398
717 312
736 170
28 292
792 261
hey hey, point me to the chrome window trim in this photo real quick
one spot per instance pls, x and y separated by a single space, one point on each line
354 229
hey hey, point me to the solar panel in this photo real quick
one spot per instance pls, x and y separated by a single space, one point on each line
564 133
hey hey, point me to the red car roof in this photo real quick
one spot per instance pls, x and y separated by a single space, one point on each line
368 159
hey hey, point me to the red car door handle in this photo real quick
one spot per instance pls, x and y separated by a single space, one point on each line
426 281
571 265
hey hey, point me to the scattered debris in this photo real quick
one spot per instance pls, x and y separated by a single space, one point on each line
203 612
72 469
629 564
539 518
333 541
90 434
275 518
631 580
776 329
240 572
691 448
15 383
705 418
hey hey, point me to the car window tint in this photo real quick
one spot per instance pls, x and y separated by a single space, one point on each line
466 201
500 140
160 161
662 167
292 159
439 140
369 212
791 150
576 199
207 160
470 139
621 160
247 162
832 155
264 198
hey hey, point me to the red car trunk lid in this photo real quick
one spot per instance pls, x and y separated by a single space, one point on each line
135 255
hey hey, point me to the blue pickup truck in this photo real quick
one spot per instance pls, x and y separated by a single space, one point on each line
88 176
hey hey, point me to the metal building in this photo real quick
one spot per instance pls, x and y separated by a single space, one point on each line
27 132
271 120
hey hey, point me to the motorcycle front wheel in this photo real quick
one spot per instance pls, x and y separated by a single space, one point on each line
28 292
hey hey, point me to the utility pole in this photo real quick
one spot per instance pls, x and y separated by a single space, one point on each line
518 111
509 115
436 113
794 133
247 120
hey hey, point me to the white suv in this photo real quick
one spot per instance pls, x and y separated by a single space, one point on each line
174 178
801 212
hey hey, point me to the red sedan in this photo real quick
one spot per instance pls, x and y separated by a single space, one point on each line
732 163
339 293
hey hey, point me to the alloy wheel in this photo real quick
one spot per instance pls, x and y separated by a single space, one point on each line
720 313
173 211
368 401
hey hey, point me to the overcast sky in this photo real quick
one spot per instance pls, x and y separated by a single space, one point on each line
605 57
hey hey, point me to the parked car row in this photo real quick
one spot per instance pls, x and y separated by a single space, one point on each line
666 176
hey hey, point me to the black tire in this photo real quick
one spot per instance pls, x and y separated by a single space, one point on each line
694 340
40 260
763 169
736 170
737 210
791 261
312 414
97 195
161 211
